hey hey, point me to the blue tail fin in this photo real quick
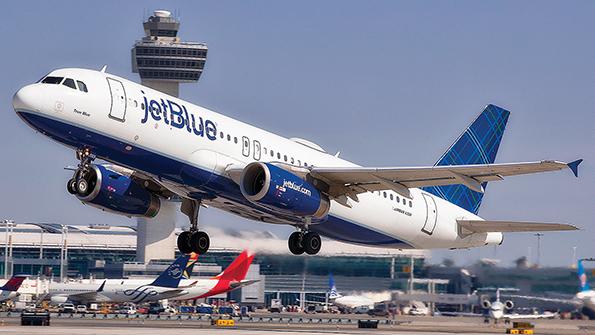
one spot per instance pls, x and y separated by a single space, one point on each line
582 277
172 275
478 144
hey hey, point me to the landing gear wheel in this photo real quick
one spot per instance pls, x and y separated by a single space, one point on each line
184 242
311 243
71 186
200 242
82 187
295 243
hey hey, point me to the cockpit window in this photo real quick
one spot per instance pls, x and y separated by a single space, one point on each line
70 83
82 86
52 80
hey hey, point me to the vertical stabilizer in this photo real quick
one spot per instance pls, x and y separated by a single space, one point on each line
478 144
332 289
13 284
582 277
172 275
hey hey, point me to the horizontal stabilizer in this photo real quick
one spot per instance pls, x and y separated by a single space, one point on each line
480 226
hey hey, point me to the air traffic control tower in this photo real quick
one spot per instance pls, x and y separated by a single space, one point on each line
163 62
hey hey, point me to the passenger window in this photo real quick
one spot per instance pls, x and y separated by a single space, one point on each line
410 203
52 80
70 83
83 88
228 137
235 140
292 161
142 105
221 134
278 155
272 153
299 163
384 193
391 197
285 158
398 199
404 201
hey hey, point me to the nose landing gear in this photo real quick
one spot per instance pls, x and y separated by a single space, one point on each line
193 240
300 242
82 182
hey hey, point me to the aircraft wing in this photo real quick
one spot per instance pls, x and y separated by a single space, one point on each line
481 226
349 181
171 293
529 316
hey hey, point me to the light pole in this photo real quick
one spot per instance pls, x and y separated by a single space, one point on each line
539 235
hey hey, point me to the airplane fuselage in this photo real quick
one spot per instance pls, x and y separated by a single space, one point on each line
188 148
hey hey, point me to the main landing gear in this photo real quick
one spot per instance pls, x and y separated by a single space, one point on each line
308 242
81 183
193 240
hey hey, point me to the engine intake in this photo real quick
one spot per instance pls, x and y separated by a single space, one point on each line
114 192
509 304
273 187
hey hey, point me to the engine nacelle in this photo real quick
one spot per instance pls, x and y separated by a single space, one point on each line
114 192
509 304
58 299
486 304
273 187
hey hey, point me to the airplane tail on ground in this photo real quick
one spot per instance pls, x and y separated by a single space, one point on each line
13 283
332 289
236 271
478 144
582 277
190 265
174 273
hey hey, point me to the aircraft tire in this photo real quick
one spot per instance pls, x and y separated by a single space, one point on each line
71 186
200 242
82 187
294 243
184 242
311 243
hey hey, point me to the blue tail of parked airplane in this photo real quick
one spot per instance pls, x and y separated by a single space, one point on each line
582 277
332 289
478 144
175 272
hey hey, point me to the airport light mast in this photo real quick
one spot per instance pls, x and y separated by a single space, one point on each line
163 62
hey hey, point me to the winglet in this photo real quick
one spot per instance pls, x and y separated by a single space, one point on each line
103 68
574 166
100 289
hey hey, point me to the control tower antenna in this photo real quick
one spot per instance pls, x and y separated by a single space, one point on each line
162 60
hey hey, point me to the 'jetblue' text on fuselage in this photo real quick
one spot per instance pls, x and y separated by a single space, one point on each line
177 116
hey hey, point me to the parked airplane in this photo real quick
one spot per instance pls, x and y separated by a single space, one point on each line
10 288
162 146
497 310
584 299
347 302
172 284
166 286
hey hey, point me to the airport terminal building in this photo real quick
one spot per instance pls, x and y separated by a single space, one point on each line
54 251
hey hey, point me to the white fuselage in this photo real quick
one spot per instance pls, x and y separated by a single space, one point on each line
130 290
189 157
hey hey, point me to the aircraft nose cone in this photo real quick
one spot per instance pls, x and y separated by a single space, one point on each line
23 99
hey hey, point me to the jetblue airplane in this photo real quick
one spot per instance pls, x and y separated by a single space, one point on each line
159 147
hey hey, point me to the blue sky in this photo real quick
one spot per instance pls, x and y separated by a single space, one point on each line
388 83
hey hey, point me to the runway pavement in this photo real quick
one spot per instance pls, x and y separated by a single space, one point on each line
417 325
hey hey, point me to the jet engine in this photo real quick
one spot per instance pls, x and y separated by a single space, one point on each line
509 304
486 304
278 189
108 190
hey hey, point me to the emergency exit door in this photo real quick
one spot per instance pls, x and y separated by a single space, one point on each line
431 215
118 99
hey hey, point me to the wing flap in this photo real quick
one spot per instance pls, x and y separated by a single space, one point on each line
480 226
